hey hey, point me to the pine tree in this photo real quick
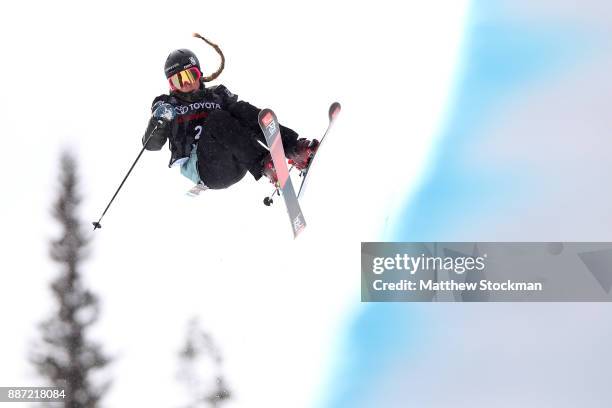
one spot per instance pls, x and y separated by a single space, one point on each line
65 356
199 347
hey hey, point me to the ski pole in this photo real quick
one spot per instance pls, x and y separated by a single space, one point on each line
97 224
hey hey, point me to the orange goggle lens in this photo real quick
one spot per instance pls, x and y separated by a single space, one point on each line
184 78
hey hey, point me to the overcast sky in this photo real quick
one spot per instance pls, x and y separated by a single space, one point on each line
83 76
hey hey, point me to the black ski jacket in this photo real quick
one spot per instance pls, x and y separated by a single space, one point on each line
191 110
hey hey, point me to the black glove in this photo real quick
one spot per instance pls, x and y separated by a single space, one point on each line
163 112
158 129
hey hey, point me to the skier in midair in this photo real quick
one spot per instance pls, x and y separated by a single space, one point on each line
213 136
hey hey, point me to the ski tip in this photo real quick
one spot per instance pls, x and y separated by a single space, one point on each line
334 110
266 116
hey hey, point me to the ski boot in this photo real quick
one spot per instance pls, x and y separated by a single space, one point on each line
268 170
303 154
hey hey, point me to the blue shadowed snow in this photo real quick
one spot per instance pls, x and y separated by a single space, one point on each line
502 57
379 332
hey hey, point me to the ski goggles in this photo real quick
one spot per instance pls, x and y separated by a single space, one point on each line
185 78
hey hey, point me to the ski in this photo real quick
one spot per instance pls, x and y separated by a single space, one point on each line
271 130
334 110
196 190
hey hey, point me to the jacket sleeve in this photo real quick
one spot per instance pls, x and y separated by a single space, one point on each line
157 131
247 115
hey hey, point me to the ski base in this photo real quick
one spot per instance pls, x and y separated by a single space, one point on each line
271 130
